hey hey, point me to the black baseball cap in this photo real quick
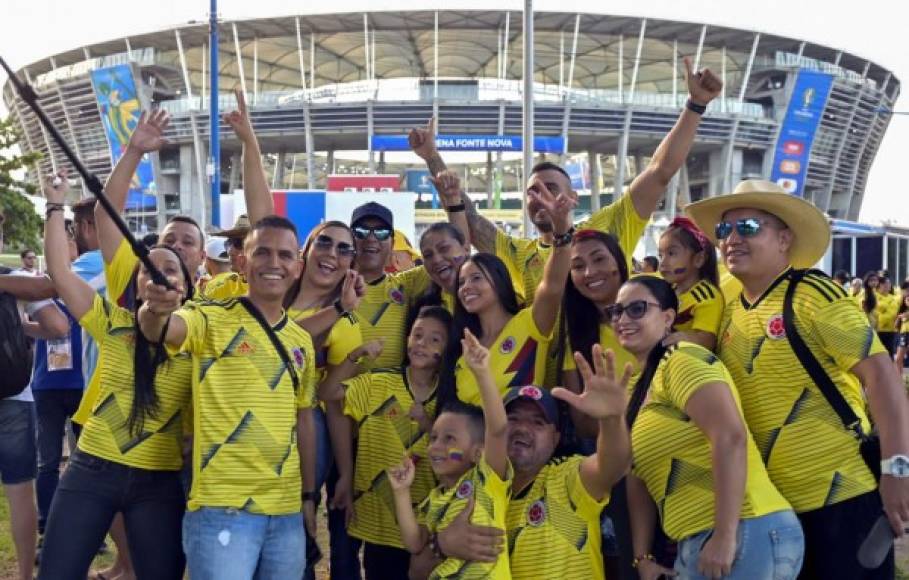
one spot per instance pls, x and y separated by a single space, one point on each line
537 395
372 209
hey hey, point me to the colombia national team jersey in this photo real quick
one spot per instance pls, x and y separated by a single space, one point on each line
516 358
608 341
811 457
379 403
342 339
225 286
554 526
245 409
383 312
158 446
700 308
442 505
673 456
525 258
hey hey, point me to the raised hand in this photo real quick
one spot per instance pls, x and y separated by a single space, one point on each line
352 290
148 135
55 187
703 86
560 208
448 185
238 119
604 395
476 355
401 476
423 140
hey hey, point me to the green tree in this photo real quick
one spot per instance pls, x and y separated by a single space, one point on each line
22 225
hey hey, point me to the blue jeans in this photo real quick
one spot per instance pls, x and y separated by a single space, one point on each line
231 544
769 547
54 407
344 550
18 462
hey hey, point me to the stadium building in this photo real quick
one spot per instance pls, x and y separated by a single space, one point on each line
333 95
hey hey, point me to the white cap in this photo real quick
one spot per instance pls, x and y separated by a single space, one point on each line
216 249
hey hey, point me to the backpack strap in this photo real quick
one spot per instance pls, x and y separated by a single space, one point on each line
275 341
810 363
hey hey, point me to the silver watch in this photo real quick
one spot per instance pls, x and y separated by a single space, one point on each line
896 466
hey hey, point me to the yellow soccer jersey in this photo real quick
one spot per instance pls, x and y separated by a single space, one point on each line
700 308
225 286
379 403
340 341
554 526
120 272
442 505
888 306
608 341
729 284
383 312
516 358
158 446
245 409
526 258
812 459
673 456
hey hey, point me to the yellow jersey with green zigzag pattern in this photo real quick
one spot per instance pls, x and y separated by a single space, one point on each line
245 408
673 456
442 505
158 446
812 459
554 526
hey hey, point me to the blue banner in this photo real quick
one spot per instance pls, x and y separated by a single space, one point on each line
118 103
472 143
803 116
579 173
417 181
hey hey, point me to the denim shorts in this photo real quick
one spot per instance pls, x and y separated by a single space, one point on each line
769 547
18 451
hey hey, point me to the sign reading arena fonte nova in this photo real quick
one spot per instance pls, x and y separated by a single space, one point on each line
472 143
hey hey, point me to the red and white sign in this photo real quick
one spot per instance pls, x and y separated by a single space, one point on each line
364 183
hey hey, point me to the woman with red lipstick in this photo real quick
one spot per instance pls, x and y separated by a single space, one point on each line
688 262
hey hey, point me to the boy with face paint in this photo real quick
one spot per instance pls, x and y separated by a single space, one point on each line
468 453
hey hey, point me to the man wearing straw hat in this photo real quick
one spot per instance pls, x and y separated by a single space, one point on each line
767 237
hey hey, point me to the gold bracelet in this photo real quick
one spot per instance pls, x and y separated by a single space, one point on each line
638 559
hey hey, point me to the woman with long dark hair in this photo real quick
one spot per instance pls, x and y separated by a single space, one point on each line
444 248
487 305
869 296
694 456
129 455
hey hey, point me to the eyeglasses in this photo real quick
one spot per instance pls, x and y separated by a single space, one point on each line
381 233
747 228
326 243
635 310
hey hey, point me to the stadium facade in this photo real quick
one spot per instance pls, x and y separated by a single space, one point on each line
607 89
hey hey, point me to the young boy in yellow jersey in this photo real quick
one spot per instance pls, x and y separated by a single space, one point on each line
467 451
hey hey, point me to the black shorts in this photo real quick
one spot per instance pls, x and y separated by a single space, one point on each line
902 340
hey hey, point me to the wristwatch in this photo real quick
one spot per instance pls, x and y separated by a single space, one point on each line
896 466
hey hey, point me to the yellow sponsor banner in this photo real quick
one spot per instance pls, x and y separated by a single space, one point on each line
496 215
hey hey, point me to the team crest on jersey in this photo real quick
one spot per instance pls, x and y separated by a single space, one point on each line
299 359
776 328
508 345
465 490
536 513
396 295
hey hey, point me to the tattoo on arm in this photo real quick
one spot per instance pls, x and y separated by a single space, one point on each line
435 164
482 231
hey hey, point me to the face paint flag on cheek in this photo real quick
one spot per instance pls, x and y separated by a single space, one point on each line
455 454
679 271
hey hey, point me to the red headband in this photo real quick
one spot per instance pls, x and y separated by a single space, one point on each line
587 234
689 226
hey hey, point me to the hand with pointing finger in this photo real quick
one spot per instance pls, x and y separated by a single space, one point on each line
423 140
238 119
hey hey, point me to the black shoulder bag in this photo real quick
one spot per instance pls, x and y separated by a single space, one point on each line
869 444
275 341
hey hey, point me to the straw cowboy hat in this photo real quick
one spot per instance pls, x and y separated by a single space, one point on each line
240 229
809 225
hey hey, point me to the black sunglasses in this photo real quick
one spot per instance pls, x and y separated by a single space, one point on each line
635 310
326 243
747 228
381 233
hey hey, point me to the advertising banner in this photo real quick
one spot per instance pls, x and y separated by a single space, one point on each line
417 181
118 103
803 116
472 143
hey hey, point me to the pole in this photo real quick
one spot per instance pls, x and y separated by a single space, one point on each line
528 103
214 148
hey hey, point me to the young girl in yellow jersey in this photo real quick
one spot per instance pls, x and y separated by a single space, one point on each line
888 305
695 466
688 262
327 283
487 305
129 456
392 411
468 453
902 328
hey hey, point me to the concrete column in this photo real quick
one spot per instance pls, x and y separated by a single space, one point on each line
593 159
279 170
490 179
331 161
235 166
381 168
